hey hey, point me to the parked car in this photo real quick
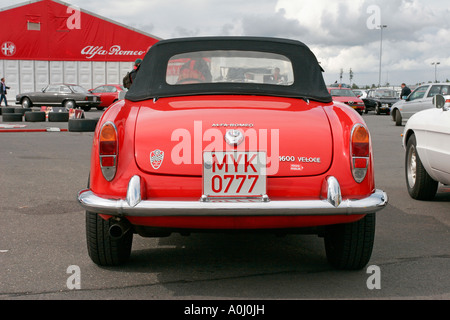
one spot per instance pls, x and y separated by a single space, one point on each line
68 96
108 93
380 100
360 93
347 96
340 85
426 140
190 149
420 99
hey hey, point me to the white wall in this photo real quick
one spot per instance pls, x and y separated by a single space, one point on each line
28 75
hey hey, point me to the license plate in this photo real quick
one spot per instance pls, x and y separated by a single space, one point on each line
234 174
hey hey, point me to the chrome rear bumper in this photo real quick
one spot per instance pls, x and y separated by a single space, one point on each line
133 205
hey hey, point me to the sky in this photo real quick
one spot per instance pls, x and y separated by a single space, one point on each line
343 34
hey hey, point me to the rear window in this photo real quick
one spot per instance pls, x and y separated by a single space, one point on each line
439 89
342 93
231 66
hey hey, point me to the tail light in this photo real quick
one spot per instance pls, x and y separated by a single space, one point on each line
108 150
359 152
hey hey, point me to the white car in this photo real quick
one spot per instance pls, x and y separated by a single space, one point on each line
426 139
362 94
420 99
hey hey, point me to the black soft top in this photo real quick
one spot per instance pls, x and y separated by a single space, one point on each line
151 82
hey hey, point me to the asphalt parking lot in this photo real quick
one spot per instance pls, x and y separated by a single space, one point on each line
43 241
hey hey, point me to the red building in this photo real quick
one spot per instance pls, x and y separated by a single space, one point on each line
49 41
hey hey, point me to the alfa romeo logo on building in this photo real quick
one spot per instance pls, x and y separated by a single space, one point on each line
8 48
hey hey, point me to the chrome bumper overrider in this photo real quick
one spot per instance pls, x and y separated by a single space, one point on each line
133 205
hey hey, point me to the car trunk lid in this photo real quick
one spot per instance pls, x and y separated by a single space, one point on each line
172 134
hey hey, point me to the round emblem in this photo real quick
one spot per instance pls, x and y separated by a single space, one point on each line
234 137
8 48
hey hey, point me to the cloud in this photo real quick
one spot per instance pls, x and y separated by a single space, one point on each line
338 31
274 25
340 34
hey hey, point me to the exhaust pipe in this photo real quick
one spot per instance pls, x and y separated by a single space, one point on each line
119 228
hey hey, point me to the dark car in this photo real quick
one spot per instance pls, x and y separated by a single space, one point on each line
54 95
380 100
108 93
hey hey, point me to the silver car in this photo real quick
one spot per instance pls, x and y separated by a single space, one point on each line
420 99
59 95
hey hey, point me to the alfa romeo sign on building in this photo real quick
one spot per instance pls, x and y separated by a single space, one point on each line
8 49
49 41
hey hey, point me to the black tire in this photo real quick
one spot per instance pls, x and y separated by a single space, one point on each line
12 117
38 116
100 108
349 246
7 110
377 109
86 108
26 103
22 110
58 116
69 104
398 118
82 125
102 248
418 182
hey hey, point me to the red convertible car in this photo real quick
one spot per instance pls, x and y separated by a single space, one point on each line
108 93
347 96
206 140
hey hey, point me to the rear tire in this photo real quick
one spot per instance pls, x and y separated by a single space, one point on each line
398 118
349 246
69 104
102 248
418 182
26 103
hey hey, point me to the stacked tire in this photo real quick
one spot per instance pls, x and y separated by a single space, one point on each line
9 115
82 125
37 116
58 116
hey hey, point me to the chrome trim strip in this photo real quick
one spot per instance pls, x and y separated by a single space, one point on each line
334 195
134 206
134 191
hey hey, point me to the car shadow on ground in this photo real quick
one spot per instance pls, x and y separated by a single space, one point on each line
201 258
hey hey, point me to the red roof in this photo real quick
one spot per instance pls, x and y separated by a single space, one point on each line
53 30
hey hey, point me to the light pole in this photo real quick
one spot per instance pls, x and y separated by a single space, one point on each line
435 70
381 27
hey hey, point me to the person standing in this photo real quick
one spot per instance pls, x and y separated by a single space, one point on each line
405 92
135 70
3 92
130 76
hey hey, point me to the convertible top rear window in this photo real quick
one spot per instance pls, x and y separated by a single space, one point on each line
231 65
